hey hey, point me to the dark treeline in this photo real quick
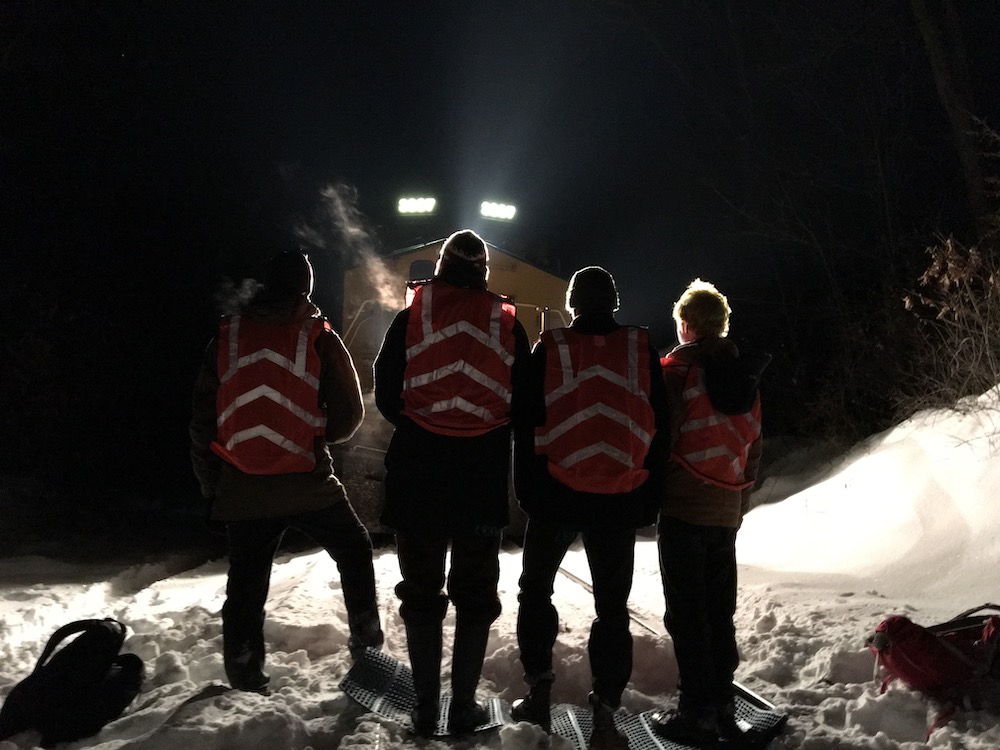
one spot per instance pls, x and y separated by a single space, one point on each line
832 145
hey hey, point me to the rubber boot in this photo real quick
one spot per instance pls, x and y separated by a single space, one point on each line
535 706
423 642
243 652
366 632
605 736
245 668
691 725
467 665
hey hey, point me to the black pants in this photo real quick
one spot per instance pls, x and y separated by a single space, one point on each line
252 545
471 581
472 576
698 565
610 554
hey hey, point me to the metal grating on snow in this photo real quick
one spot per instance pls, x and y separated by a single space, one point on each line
572 722
758 718
382 684
756 714
385 686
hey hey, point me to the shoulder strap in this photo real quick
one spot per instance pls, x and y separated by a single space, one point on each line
69 629
975 610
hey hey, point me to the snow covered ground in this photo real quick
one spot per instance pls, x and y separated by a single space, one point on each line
906 523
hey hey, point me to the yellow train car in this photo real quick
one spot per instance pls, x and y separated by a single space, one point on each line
375 291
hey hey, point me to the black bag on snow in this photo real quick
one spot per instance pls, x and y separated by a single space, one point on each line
732 382
83 686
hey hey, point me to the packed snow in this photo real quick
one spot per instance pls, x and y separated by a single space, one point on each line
905 523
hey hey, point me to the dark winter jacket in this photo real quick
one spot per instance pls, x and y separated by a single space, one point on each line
683 495
240 496
444 483
543 497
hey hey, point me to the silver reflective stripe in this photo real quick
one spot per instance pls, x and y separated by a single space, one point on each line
565 360
717 451
597 371
571 381
265 391
300 352
458 367
713 421
592 411
461 326
630 382
697 387
633 360
425 310
714 452
710 421
495 319
695 390
234 348
297 366
267 433
460 404
600 448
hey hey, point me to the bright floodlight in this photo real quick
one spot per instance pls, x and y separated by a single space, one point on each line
500 211
417 205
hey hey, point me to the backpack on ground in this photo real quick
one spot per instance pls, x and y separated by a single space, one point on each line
732 383
954 662
73 692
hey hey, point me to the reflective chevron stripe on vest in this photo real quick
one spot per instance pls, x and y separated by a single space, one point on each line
599 422
712 445
267 407
459 355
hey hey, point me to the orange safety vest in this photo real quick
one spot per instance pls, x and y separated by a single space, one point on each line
713 446
267 407
598 419
459 355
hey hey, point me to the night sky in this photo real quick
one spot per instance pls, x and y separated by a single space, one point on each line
151 150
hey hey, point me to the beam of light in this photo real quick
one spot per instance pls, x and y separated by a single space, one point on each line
498 211
419 205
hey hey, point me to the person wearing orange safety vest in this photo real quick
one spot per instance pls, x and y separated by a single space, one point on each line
450 377
600 418
704 496
275 387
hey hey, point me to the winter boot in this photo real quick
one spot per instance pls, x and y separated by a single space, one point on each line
467 665
424 717
423 642
536 705
605 736
735 733
688 726
465 717
366 632
243 649
725 720
244 670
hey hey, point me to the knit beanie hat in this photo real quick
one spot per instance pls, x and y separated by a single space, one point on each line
465 247
592 289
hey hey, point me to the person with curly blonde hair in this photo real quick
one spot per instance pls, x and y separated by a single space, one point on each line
704 496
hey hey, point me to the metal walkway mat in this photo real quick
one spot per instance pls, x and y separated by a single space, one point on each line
385 686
